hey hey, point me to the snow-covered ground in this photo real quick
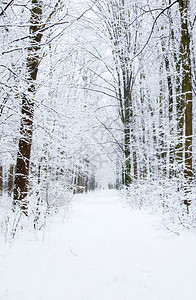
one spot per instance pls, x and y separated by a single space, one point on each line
102 251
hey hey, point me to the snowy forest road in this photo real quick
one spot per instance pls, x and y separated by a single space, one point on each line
102 251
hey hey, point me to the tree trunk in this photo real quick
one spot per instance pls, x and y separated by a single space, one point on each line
27 111
128 135
1 180
186 85
10 179
127 167
170 91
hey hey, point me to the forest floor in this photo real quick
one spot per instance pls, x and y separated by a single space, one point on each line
100 250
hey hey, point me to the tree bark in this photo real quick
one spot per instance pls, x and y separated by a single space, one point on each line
186 86
27 111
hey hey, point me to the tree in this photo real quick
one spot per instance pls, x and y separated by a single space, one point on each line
27 109
187 89
118 17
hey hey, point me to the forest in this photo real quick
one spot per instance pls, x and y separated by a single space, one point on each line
96 94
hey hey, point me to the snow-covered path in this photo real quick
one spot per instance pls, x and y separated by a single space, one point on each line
103 251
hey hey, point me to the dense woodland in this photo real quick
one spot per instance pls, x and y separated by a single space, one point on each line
96 94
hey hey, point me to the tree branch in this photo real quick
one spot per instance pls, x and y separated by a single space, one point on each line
153 25
1 13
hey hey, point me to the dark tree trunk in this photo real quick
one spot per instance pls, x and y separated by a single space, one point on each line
127 167
27 111
186 86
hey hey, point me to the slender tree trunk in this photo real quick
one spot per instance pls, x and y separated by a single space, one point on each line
186 85
128 116
11 179
1 180
179 151
170 90
127 167
162 154
27 111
